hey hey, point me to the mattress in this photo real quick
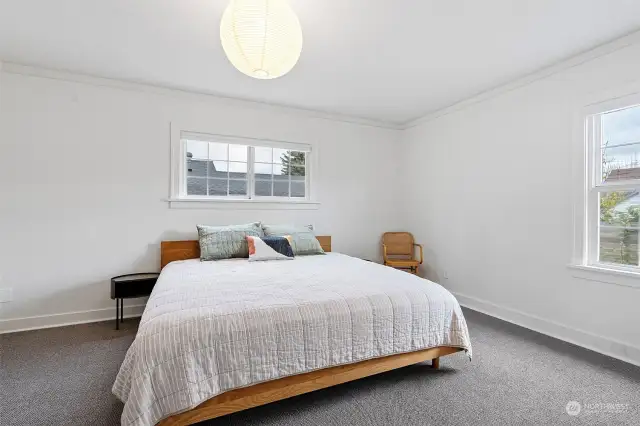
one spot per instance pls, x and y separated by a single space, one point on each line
210 327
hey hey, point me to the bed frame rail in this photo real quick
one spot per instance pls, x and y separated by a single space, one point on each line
287 387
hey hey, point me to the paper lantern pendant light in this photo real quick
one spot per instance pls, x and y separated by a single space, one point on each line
261 38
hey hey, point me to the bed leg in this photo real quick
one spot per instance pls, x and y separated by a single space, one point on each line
435 363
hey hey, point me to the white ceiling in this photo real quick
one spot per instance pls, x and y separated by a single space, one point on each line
388 60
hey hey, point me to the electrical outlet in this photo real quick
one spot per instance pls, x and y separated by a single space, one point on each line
6 295
445 274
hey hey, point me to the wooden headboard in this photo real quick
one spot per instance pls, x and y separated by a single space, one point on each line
190 249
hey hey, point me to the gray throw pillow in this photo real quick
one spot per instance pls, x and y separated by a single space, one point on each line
225 242
303 239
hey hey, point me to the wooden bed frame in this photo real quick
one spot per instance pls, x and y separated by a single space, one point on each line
276 390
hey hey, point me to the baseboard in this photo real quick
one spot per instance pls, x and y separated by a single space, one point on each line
13 325
603 345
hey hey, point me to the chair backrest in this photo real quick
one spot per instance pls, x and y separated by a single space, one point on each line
398 243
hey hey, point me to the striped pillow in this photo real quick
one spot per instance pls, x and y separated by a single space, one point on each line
224 242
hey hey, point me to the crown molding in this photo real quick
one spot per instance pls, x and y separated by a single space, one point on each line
574 61
56 74
566 64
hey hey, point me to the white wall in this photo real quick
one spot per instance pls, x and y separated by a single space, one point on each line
490 196
84 172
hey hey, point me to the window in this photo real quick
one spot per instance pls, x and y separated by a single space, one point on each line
216 168
613 186
279 172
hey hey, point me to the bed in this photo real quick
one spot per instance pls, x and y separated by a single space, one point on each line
223 336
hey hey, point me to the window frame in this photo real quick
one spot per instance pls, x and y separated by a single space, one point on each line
178 197
587 174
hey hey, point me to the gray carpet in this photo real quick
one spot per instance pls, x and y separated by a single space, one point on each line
63 376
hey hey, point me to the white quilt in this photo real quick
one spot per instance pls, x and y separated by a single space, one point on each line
210 327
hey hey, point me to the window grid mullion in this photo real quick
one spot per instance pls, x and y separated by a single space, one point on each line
618 186
289 178
598 149
185 172
228 167
251 188
207 168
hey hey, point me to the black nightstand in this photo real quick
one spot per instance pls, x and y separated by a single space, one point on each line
130 286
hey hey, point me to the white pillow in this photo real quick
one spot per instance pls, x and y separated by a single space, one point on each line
259 250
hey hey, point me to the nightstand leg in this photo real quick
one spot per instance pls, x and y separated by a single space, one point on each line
117 314
121 310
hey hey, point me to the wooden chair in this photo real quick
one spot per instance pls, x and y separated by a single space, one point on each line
398 249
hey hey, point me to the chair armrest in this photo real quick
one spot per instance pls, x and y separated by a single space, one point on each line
421 254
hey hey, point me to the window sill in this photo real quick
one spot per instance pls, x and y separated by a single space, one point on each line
242 204
601 273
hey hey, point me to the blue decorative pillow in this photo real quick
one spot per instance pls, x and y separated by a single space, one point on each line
279 244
